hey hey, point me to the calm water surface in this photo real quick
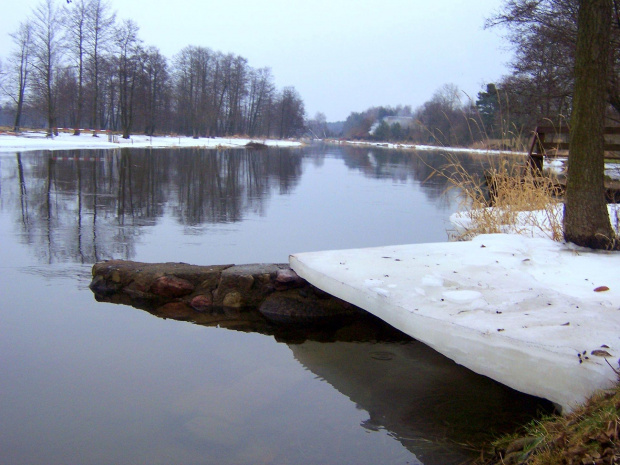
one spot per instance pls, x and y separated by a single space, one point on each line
94 383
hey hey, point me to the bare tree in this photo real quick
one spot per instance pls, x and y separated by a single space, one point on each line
108 80
100 33
128 54
47 56
443 119
237 90
20 67
260 94
544 34
195 82
318 126
586 219
290 113
153 89
76 28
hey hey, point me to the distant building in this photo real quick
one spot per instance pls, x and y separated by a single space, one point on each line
404 121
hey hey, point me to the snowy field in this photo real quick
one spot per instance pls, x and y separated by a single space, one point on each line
67 141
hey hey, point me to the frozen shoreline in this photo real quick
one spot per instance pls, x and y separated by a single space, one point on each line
429 148
539 316
37 140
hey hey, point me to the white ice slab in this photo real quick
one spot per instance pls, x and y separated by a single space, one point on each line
523 311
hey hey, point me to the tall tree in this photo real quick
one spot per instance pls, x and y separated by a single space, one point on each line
488 106
20 63
586 219
101 21
76 26
443 118
47 56
261 90
153 91
237 90
291 113
544 35
318 126
128 54
194 69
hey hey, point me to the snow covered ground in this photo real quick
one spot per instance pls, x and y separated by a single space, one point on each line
432 148
67 141
555 165
540 316
527 223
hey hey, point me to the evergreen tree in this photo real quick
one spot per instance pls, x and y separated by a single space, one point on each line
382 132
488 108
396 132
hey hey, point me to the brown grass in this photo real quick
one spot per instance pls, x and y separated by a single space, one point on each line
508 199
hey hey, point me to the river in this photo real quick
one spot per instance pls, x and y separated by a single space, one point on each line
85 382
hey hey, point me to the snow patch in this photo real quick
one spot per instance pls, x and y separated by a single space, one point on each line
461 297
432 281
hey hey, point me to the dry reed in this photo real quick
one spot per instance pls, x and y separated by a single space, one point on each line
508 199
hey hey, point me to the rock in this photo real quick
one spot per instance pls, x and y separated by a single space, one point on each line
182 291
256 145
232 299
99 286
287 278
253 282
171 286
201 303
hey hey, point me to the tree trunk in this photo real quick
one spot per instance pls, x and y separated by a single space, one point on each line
18 112
586 219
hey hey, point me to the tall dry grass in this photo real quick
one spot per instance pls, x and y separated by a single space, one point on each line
508 199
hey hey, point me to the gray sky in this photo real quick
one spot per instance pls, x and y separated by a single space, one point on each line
341 55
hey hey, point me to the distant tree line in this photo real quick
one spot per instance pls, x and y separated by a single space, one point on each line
538 89
76 66
448 118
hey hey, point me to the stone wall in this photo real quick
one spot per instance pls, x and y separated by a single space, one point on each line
182 291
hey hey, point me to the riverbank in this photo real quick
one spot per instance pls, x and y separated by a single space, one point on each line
423 147
38 140
589 435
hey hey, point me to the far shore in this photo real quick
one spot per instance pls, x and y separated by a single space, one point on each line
423 147
37 139
65 140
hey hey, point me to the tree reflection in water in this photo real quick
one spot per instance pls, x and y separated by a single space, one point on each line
79 207
89 205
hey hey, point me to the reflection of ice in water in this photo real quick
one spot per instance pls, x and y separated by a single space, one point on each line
413 392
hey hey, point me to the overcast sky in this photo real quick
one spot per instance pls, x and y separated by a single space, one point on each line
341 55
